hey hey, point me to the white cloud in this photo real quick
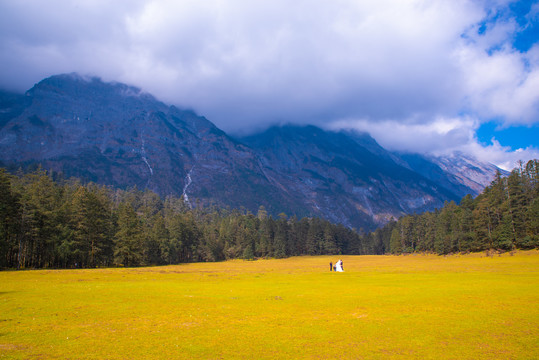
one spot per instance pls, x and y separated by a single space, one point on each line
245 64
501 156
504 84
439 137
268 60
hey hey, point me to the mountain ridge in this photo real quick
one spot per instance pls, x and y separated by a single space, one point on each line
336 168
117 134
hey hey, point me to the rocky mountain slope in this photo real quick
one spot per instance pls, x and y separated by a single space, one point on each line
116 134
459 173
346 178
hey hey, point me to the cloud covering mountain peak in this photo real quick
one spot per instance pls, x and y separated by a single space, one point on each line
247 65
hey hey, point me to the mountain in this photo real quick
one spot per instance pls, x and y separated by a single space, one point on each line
346 178
116 134
468 171
458 172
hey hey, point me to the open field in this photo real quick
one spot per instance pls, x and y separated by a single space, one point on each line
382 307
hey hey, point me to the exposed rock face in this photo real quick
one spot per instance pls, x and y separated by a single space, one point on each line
344 177
469 172
115 134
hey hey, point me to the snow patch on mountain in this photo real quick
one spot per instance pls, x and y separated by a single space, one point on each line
472 173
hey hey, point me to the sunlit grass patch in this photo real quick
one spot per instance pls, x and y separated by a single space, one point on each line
421 306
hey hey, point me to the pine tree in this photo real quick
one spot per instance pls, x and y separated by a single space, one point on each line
281 236
9 215
429 233
395 244
532 176
497 198
39 206
444 225
517 203
531 240
91 224
315 237
157 236
262 213
483 223
503 235
300 230
407 234
330 240
264 238
128 245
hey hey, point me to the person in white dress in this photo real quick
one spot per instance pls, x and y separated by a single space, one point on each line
338 266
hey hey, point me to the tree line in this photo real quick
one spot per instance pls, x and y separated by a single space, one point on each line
505 216
49 222
46 222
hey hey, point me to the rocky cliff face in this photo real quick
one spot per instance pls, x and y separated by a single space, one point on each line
344 177
115 134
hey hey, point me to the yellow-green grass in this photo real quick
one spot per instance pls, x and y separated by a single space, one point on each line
381 307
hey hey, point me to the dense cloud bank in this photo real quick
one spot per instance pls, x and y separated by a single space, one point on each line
436 68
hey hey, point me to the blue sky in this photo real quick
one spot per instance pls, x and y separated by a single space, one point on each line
516 137
432 76
528 21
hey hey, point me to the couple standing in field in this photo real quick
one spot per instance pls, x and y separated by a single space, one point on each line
338 266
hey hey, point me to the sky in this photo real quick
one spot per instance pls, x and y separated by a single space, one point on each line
427 76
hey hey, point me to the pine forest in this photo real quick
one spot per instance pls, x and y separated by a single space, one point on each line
50 222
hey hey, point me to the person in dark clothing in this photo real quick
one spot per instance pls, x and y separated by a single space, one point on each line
330 266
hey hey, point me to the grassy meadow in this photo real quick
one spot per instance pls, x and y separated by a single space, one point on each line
381 307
